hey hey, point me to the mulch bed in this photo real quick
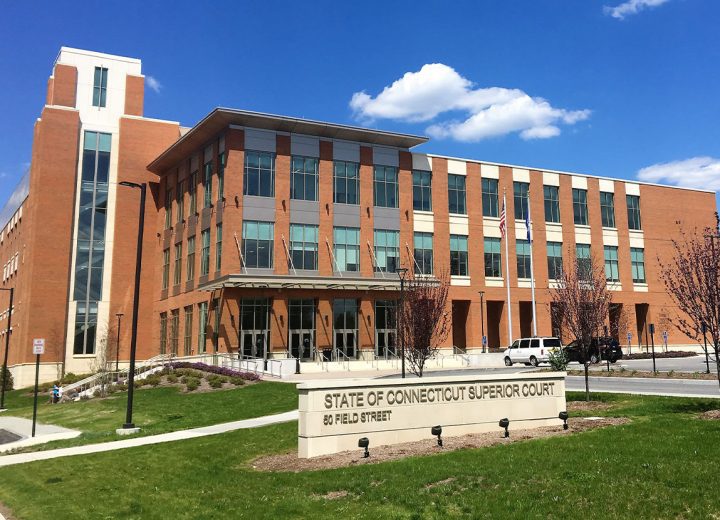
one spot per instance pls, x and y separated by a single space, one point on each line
645 374
289 462
712 415
587 406
661 355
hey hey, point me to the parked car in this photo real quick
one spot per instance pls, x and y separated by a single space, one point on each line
602 348
531 351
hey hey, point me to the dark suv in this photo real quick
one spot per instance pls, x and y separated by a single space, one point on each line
603 348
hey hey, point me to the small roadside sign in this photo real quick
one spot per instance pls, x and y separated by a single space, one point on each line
665 335
484 341
38 346
629 336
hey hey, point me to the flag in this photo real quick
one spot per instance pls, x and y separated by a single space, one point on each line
502 221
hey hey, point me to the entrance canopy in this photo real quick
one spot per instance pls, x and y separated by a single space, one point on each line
279 281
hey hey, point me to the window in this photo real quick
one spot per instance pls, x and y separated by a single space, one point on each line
304 178
423 253
166 269
85 328
218 247
100 87
458 255
346 183
202 327
216 324
205 253
554 257
422 190
611 264
180 202
492 257
168 208
207 184
522 250
190 267
192 191
456 194
582 254
163 332
177 269
520 191
607 209
187 340
580 210
490 197
552 203
386 186
346 244
174 330
387 250
258 244
637 259
259 176
304 246
633 207
221 175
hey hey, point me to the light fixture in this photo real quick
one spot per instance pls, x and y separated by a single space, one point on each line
504 423
436 431
364 442
563 416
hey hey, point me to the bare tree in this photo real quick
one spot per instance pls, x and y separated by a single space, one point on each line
424 320
101 362
692 279
581 303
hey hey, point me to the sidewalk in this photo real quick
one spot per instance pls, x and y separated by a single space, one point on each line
23 428
21 458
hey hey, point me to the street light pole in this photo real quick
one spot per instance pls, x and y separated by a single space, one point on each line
7 348
129 426
402 272
482 320
117 344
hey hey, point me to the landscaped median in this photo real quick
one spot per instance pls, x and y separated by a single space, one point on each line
656 464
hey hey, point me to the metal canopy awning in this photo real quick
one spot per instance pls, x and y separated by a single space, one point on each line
278 281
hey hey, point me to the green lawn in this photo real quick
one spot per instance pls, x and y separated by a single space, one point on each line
661 465
155 410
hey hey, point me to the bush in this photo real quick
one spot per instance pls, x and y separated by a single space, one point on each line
222 371
6 379
121 387
216 381
237 381
192 384
152 380
557 359
172 378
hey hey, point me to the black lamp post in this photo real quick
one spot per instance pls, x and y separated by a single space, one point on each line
7 348
652 341
707 356
482 320
402 272
136 304
117 344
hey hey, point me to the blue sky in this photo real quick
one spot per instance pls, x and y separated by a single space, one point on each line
567 85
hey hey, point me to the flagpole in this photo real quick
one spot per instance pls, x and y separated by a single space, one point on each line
532 270
507 273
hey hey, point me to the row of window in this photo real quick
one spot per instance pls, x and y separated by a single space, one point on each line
10 267
170 330
190 258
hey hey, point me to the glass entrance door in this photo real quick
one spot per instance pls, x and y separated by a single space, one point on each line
254 327
301 319
345 328
386 329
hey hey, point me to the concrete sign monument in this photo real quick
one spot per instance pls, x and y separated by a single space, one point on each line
335 414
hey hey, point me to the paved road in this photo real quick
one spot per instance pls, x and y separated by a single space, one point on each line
637 385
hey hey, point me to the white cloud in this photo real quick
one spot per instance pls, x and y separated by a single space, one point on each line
437 89
631 7
153 83
697 172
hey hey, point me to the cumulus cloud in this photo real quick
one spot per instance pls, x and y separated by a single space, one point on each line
631 7
697 172
153 83
438 89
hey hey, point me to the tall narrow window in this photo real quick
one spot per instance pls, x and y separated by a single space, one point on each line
180 201
177 268
163 333
555 264
423 253
218 247
304 246
580 209
458 255
174 330
258 244
192 191
456 194
202 327
346 182
637 259
100 87
190 267
205 253
259 175
207 184
582 254
612 273
520 192
490 197
304 178
422 190
607 209
385 186
168 208
187 340
633 208
552 203
166 269
522 249
221 175
492 257
346 244
387 250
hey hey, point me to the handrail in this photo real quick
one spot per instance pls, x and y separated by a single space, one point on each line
339 353
412 254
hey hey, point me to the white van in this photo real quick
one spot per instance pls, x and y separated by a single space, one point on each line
531 351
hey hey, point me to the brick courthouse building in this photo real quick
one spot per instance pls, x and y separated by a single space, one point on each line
276 236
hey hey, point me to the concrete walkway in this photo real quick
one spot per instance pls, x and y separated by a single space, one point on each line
21 458
43 433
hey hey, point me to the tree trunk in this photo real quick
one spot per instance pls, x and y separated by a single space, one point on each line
587 383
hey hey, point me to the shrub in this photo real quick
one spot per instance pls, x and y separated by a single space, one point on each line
216 381
172 378
222 371
192 383
237 381
557 359
152 380
121 387
138 384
